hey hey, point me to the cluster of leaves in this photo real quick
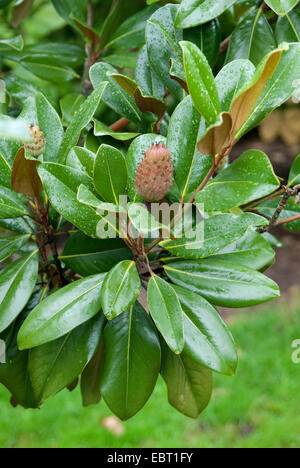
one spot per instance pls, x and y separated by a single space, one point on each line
105 83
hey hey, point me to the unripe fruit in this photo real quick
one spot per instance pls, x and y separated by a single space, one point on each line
154 176
39 144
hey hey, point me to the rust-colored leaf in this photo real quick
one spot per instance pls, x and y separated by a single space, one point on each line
25 178
19 12
218 137
88 32
244 103
149 104
144 103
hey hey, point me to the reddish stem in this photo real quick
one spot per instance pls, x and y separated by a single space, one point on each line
288 220
120 125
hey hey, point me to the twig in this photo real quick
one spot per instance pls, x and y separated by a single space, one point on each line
288 220
205 180
289 192
47 238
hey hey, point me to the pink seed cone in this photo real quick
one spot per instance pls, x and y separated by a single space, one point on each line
154 176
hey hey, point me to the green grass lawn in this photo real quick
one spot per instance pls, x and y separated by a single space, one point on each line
257 408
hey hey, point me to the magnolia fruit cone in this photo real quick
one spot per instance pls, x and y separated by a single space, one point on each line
39 144
154 176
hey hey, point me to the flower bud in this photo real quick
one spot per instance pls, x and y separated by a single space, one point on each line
39 144
154 176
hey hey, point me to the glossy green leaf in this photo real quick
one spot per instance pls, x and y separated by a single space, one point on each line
82 117
68 105
17 282
223 283
194 12
112 20
86 158
272 240
87 197
207 37
162 41
61 184
114 96
121 288
12 204
5 171
91 377
231 79
101 129
208 340
252 250
166 312
190 166
15 43
18 225
20 89
131 33
15 374
74 162
131 362
55 365
189 384
219 231
135 156
142 220
123 59
200 81
110 174
58 53
252 39
248 178
294 178
69 7
61 312
288 27
281 7
146 77
49 69
88 256
9 245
